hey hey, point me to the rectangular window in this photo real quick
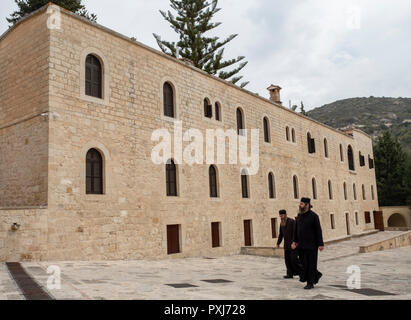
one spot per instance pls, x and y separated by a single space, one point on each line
332 221
173 239
367 217
362 160
371 163
215 234
356 218
274 228
311 148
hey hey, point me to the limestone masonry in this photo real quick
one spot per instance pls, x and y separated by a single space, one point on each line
69 91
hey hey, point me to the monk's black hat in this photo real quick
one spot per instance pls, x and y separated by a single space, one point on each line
282 211
306 200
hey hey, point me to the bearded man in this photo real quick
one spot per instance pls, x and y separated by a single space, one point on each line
308 238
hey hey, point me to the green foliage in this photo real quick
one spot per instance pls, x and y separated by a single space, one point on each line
193 20
28 6
392 169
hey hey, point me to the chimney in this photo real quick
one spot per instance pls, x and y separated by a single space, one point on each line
274 93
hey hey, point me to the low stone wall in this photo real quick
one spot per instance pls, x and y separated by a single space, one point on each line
401 240
29 241
263 251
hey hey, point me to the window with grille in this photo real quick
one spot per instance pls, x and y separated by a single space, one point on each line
93 77
94 172
168 100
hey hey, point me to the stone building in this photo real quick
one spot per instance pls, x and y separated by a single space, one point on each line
78 106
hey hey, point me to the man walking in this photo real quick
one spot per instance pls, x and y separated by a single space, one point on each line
308 237
292 264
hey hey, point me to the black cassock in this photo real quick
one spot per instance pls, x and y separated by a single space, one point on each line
308 235
292 262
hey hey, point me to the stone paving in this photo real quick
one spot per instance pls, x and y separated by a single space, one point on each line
250 277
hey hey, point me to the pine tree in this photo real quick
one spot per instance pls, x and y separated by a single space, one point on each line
193 20
28 6
391 171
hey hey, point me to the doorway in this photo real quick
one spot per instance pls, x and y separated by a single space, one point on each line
247 233
378 220
173 239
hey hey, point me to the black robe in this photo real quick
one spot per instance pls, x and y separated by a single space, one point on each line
308 236
292 262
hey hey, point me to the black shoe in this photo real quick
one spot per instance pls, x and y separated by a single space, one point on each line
309 286
319 275
288 277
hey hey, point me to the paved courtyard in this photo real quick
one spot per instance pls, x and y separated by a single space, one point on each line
384 275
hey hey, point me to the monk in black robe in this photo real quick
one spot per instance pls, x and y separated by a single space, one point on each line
292 263
308 238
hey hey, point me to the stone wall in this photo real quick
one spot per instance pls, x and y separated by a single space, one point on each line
129 221
29 242
24 76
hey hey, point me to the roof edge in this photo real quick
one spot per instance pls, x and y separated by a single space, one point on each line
152 50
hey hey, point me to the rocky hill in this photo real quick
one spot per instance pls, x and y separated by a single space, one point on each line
371 115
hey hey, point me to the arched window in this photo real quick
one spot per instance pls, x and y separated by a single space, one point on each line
213 182
240 121
363 193
350 155
94 172
314 187
287 133
354 191
168 100
171 178
325 148
330 190
341 153
271 185
244 183
208 109
295 187
266 130
217 111
345 191
293 134
93 77
310 143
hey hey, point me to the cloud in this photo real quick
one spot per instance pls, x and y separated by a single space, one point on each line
317 51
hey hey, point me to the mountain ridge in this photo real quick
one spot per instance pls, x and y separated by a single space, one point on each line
373 115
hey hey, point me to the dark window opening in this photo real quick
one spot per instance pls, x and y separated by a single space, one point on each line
240 122
367 217
244 184
295 187
311 143
168 100
213 182
171 179
271 185
93 77
350 155
94 172
208 109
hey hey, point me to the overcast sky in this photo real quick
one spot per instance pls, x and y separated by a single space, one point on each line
318 51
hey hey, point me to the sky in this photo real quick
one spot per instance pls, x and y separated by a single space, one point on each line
318 51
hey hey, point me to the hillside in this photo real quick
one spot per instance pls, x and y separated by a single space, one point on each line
371 115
